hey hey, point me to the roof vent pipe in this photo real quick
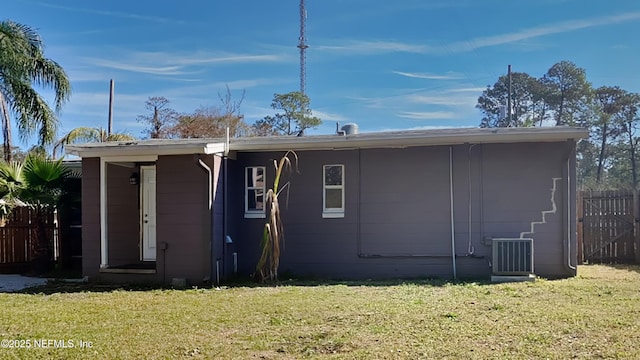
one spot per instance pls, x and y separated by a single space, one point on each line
350 129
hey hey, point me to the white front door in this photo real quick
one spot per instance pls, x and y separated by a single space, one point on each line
148 212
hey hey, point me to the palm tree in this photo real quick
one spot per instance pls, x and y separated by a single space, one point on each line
11 183
23 65
38 183
89 134
44 181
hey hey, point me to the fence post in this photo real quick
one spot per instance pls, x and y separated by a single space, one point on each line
636 221
579 222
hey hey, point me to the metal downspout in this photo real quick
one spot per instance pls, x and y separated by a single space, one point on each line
225 233
568 249
453 226
210 207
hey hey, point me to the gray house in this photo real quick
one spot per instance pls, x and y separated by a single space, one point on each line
429 203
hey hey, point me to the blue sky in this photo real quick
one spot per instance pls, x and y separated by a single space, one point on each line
385 65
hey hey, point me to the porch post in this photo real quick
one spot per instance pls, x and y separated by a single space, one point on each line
104 249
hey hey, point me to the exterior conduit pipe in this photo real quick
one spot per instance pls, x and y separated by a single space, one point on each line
453 226
206 167
470 248
572 152
359 208
481 192
225 198
362 255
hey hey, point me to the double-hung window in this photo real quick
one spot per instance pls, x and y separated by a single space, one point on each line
255 192
333 191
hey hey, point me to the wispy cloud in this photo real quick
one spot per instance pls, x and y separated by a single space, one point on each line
375 47
226 59
452 97
469 89
161 63
427 115
356 47
549 29
199 58
91 109
155 70
438 100
328 116
209 90
448 76
118 14
85 75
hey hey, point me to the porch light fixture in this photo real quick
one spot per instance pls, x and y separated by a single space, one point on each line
133 179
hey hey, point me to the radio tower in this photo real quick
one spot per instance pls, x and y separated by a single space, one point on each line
302 45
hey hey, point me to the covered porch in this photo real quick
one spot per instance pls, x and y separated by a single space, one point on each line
149 211
128 236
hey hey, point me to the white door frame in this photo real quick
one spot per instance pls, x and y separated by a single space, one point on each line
148 221
104 160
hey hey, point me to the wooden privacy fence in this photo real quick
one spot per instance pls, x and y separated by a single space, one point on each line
608 227
19 236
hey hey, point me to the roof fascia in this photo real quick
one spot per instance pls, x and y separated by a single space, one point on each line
146 150
408 140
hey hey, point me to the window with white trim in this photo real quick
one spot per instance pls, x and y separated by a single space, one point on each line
333 191
255 191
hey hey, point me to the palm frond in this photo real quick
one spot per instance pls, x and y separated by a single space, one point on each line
88 134
33 113
11 184
23 65
47 73
44 179
120 137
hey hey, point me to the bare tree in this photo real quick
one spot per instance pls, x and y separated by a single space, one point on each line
211 121
161 119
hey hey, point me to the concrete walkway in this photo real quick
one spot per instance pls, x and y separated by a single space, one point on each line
9 283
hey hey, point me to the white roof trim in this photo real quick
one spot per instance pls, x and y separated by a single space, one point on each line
329 142
407 139
130 158
140 148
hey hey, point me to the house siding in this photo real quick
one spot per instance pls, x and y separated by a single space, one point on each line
182 216
184 221
399 226
397 219
525 175
124 216
225 268
90 216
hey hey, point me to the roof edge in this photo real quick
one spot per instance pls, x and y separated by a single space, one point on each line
409 138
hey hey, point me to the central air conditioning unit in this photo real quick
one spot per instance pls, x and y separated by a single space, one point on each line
512 257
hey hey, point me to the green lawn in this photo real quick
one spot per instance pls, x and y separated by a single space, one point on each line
595 315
